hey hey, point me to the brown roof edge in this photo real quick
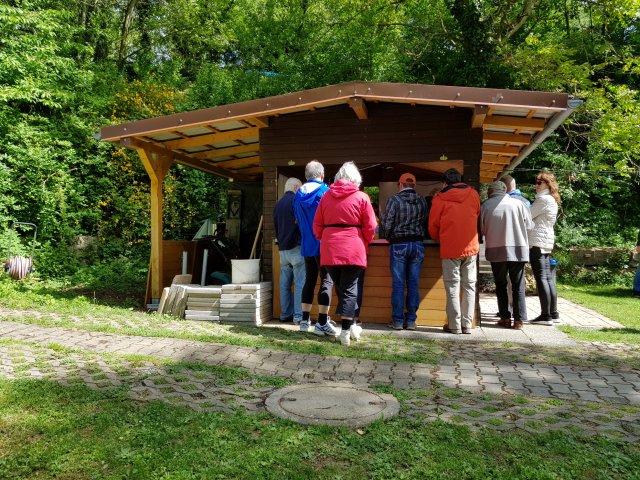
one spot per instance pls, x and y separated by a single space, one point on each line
394 92
554 122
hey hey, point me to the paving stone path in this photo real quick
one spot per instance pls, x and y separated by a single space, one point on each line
473 385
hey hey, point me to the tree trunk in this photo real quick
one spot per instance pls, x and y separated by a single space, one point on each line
124 32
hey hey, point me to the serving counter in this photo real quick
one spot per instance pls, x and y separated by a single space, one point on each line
376 301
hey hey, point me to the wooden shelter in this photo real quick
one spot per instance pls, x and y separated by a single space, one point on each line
386 128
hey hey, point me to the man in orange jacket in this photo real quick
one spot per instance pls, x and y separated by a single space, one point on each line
453 221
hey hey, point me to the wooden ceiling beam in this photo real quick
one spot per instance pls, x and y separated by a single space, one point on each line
487 179
488 148
239 162
260 122
515 139
208 139
252 171
479 114
134 143
504 121
359 107
495 159
227 151
491 168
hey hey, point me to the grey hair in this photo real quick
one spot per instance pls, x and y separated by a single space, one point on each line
497 188
509 181
314 169
292 184
349 173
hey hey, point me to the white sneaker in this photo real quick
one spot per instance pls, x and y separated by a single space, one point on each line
345 338
326 329
305 326
355 332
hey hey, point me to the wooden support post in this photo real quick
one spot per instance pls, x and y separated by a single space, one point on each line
157 167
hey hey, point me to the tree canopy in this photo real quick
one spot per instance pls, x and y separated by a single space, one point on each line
69 67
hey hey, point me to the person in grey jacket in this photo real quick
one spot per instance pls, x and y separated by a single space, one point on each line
504 222
544 211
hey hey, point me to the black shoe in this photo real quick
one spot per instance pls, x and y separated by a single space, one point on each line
287 320
542 320
466 331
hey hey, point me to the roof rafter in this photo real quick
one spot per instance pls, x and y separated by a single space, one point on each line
359 106
515 139
181 158
504 121
239 162
479 114
210 138
227 151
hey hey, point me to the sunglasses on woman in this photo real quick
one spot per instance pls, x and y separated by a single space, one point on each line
540 182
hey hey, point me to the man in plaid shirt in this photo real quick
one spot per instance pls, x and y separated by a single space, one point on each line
404 225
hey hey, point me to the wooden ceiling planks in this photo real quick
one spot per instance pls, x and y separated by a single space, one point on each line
211 138
228 151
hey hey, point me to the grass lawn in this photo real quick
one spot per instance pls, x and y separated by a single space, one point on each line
51 431
48 430
614 302
55 305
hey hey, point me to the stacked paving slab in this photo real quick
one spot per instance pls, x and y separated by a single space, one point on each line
203 303
246 303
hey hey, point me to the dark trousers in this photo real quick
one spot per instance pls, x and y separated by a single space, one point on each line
545 282
312 269
345 278
361 291
514 271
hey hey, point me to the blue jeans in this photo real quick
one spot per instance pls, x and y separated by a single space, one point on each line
406 262
291 270
636 282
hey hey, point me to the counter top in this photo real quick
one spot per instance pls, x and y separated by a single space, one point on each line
431 243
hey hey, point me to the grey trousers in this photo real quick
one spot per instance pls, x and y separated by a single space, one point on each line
460 274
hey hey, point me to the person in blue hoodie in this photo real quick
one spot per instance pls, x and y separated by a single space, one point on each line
305 205
514 192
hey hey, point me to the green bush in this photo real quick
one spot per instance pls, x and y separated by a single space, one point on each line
616 270
121 275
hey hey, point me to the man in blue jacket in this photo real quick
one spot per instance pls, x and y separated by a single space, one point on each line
291 261
305 205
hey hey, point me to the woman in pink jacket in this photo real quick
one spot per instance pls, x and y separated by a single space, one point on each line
345 223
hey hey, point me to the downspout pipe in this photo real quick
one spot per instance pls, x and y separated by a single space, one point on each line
557 120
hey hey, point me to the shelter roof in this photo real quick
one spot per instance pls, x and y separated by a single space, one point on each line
224 140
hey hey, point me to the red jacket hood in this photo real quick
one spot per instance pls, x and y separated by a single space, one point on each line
341 189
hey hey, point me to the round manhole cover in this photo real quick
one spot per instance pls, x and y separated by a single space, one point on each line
331 404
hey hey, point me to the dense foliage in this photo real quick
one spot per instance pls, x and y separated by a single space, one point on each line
69 67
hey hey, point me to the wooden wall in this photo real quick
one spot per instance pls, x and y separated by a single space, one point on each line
269 199
376 301
393 133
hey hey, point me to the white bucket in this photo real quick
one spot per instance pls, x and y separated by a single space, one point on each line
245 271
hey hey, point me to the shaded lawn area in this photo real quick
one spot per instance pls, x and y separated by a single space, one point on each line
55 305
51 431
614 302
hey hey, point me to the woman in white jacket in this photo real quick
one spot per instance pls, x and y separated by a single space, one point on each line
544 211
